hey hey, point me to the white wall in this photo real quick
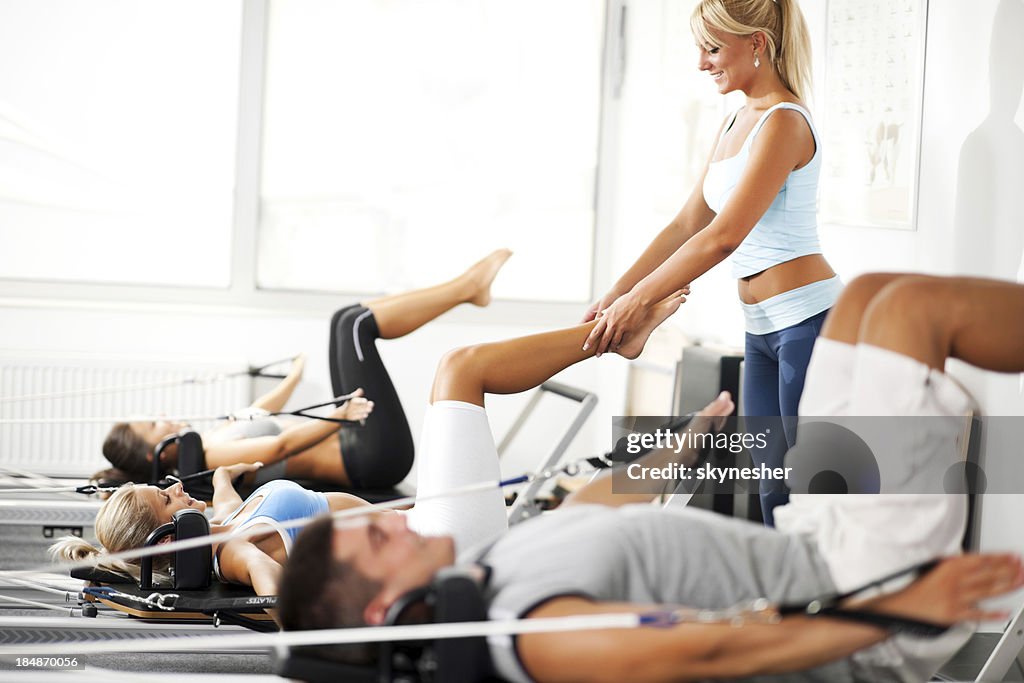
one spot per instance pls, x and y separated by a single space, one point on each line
971 219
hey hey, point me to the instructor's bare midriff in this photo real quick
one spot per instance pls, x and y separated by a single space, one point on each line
783 277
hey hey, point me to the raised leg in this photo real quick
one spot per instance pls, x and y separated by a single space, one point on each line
930 319
515 365
828 382
379 453
400 314
843 323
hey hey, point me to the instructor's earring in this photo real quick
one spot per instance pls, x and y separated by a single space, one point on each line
757 60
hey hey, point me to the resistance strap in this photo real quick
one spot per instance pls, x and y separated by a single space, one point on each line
252 371
242 415
759 611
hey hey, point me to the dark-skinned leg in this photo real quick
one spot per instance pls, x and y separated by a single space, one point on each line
515 365
930 319
843 322
400 314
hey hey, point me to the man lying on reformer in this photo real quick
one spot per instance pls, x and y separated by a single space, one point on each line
376 455
594 559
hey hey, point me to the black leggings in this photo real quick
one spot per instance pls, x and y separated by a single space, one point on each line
378 454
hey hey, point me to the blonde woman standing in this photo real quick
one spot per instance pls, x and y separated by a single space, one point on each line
756 202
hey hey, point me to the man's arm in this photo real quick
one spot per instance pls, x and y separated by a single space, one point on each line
946 595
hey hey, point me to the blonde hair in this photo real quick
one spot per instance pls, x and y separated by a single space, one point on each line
123 523
781 21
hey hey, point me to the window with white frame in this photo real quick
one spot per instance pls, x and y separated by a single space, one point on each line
117 140
402 140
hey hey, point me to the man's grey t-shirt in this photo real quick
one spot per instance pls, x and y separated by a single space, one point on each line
645 555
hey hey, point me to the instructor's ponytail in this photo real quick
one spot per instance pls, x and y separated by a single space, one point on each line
794 57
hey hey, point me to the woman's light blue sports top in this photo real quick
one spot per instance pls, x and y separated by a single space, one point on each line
282 501
787 230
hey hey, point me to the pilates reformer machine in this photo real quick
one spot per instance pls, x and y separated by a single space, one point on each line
195 476
452 598
32 503
191 599
194 600
438 633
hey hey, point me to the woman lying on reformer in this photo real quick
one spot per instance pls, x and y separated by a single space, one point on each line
375 455
456 449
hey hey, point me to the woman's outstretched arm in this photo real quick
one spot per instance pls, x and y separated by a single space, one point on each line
275 399
293 440
783 144
691 219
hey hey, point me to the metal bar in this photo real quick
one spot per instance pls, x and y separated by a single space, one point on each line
520 421
1006 650
525 506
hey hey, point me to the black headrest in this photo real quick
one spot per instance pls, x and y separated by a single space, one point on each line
454 595
457 597
98 575
191 458
191 567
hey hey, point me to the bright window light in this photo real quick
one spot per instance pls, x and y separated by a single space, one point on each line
117 140
402 140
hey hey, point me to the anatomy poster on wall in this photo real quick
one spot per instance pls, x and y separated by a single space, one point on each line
871 129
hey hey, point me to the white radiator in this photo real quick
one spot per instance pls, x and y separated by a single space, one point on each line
74 448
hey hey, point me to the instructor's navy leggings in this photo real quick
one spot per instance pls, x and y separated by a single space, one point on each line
774 366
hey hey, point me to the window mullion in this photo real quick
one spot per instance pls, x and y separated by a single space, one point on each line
612 75
248 154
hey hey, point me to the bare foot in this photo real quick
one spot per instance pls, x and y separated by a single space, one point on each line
634 344
482 273
722 405
712 416
709 420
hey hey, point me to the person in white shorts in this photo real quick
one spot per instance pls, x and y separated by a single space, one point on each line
456 445
882 352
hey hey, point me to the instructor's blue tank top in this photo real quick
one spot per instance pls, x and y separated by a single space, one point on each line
789 228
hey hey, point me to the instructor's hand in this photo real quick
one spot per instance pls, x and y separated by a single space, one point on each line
621 318
601 304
